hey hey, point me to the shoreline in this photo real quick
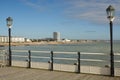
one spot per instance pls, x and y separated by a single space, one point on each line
35 43
44 43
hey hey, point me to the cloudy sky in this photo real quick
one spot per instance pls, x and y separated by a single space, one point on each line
74 19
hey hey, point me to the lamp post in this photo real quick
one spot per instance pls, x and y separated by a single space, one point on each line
9 21
110 15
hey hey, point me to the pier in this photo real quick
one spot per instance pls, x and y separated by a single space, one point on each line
16 73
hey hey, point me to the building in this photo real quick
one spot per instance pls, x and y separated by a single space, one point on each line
5 39
56 36
66 40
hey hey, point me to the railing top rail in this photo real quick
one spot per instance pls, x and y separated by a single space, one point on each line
41 51
94 53
65 58
45 51
116 60
95 60
117 54
2 50
65 52
62 52
39 57
19 50
20 56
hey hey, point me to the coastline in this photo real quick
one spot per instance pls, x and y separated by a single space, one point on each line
36 43
46 43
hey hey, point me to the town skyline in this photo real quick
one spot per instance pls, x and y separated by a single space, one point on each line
74 19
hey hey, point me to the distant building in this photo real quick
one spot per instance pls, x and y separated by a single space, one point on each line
56 36
66 40
5 39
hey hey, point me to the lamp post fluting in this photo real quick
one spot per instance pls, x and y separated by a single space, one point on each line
110 15
9 21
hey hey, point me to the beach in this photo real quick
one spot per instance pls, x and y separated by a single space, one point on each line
48 42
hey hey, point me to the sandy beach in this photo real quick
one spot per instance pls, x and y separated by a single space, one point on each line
47 42
34 43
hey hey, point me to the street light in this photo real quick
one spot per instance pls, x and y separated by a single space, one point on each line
110 15
9 21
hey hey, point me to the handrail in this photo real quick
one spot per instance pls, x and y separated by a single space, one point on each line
117 54
19 50
41 51
116 60
94 53
93 60
39 57
65 52
65 58
20 56
58 52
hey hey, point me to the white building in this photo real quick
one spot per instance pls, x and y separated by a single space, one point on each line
5 39
56 36
66 40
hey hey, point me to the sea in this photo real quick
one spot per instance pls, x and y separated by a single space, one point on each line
95 47
90 47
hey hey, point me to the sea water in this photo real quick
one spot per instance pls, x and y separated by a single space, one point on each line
95 47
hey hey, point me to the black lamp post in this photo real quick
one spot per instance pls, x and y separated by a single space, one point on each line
110 15
9 21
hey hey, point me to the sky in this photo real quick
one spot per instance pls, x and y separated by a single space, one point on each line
74 19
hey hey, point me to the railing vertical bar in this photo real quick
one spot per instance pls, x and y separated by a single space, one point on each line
51 61
29 59
78 62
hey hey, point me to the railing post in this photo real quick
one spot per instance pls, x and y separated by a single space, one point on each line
29 59
78 62
51 62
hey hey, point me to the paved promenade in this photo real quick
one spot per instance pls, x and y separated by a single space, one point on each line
14 73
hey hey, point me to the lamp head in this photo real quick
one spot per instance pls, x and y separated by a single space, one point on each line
9 21
110 13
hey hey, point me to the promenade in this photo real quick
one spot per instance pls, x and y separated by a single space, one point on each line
15 73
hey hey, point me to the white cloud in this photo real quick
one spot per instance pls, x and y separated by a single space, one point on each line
36 4
93 11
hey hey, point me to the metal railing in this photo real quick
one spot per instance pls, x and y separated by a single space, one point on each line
3 58
76 60
61 57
